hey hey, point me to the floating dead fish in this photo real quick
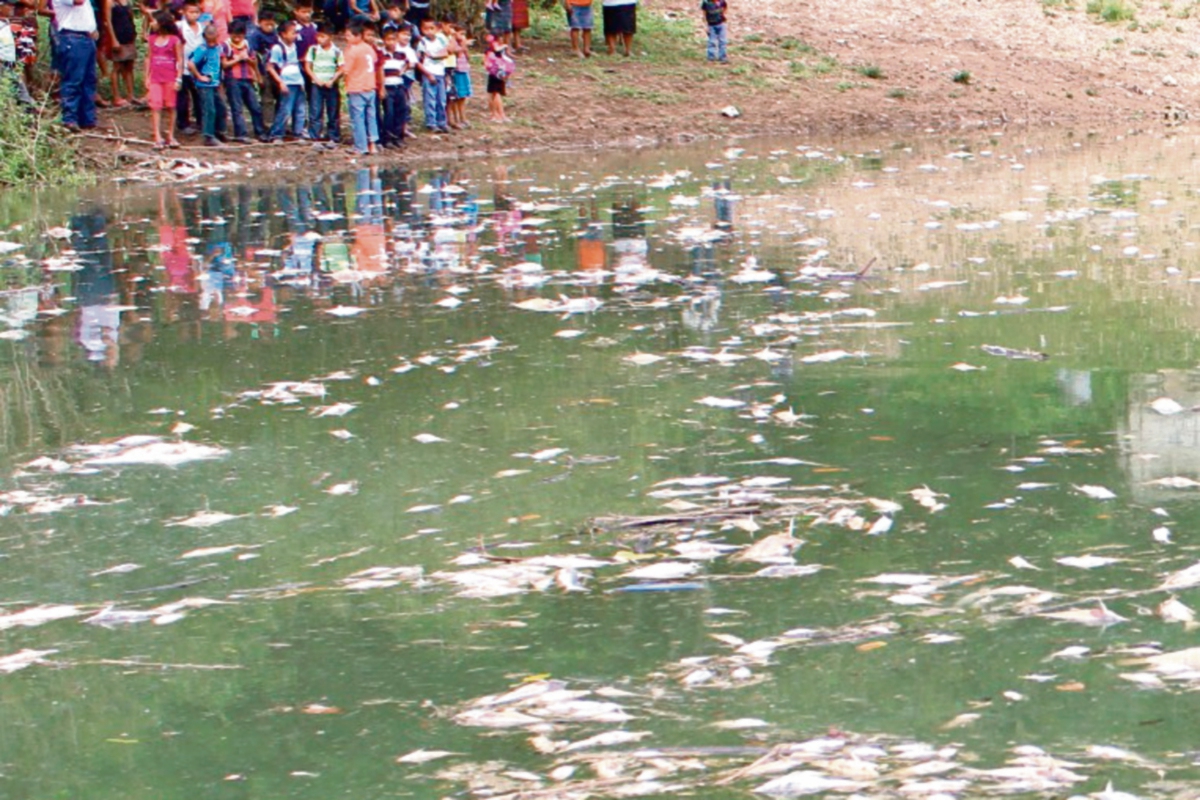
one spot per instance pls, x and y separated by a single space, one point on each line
427 438
343 489
1010 353
1175 482
205 552
38 615
423 756
1087 562
335 410
345 311
167 454
642 359
806 782
1165 406
1173 610
777 548
1100 616
204 519
1183 579
664 571
608 739
23 658
1095 492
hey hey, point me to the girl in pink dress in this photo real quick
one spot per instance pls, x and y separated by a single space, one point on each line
164 73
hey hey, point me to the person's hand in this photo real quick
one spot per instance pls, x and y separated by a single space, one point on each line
283 88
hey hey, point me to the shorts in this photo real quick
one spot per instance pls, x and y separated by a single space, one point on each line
124 53
580 18
161 95
497 86
620 20
462 85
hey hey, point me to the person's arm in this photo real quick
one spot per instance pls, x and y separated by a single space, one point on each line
375 11
227 62
147 70
308 62
195 70
273 70
107 10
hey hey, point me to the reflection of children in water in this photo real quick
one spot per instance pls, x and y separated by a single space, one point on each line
629 236
590 253
172 237
370 241
96 290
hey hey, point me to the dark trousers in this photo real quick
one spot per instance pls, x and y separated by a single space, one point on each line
243 93
187 104
77 65
325 104
395 114
212 111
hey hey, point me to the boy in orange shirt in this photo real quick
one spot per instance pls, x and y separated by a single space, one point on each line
360 69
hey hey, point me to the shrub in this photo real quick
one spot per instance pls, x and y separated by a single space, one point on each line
962 76
1111 10
872 71
36 149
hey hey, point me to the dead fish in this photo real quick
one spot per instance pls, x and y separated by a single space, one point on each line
22 659
204 519
608 739
1095 492
570 580
664 571
422 756
1174 610
1016 355
1174 482
167 454
1100 616
1184 579
805 782
778 548
335 410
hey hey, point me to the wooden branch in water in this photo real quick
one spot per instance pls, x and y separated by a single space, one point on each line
616 523
125 662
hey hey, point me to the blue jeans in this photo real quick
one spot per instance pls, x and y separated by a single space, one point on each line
187 103
212 110
718 35
242 92
363 120
395 114
326 102
433 95
77 64
293 107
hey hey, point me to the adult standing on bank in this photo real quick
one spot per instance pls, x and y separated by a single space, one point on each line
620 22
77 33
579 20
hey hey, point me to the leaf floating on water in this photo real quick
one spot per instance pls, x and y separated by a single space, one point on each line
424 756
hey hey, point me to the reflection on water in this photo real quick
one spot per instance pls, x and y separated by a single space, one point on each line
418 383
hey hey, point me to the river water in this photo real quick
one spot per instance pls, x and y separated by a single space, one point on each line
757 463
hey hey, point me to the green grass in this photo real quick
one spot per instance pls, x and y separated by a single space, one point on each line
872 71
654 96
962 76
36 149
792 44
1112 10
897 94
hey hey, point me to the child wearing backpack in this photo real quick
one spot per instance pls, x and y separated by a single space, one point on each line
500 67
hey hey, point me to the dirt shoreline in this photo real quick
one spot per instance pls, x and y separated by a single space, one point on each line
820 68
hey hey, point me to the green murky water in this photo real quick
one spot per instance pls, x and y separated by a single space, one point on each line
448 419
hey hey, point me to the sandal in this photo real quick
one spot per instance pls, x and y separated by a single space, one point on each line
159 147
172 144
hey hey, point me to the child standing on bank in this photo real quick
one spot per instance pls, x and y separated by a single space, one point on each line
205 66
284 68
241 82
432 51
324 66
360 69
457 110
718 34
164 75
188 100
123 31
499 66
397 60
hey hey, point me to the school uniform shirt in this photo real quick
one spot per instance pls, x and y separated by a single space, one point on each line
241 70
323 62
433 53
261 43
8 44
396 65
360 68
287 63
192 38
208 62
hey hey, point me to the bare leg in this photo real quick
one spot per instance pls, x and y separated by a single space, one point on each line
628 37
611 41
587 43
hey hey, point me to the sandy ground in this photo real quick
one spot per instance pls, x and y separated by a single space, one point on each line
812 67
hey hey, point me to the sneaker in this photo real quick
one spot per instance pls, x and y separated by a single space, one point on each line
442 130
189 131
242 139
71 127
262 137
212 141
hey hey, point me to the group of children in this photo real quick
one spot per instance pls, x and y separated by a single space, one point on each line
208 73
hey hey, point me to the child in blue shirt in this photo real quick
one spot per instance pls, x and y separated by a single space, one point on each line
205 68
284 68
